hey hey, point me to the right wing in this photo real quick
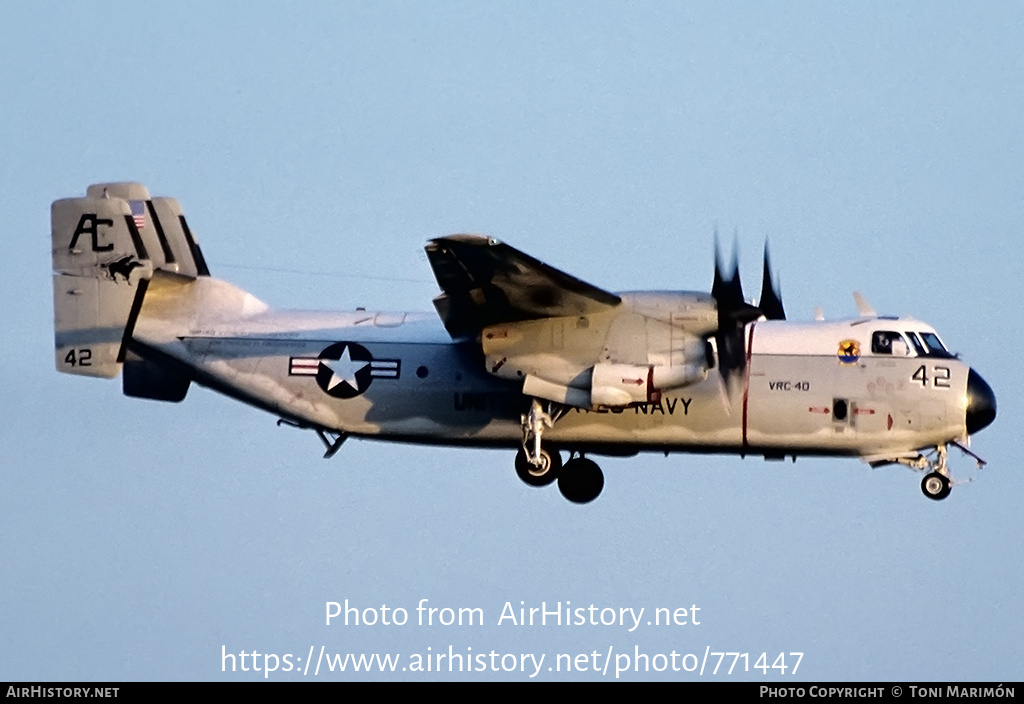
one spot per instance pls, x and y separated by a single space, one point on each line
486 282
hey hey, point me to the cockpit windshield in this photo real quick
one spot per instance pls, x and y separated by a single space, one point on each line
935 346
922 344
919 347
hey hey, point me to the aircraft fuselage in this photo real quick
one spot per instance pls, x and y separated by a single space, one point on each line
401 377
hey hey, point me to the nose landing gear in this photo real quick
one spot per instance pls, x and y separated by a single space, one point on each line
937 484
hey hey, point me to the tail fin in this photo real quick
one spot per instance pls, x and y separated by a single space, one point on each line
105 249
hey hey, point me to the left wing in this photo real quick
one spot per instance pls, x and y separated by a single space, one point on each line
486 282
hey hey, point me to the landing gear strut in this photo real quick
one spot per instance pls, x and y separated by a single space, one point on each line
936 484
580 480
534 422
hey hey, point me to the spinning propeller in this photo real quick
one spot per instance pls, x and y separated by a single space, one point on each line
734 312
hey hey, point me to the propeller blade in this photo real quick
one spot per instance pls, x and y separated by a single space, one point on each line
771 302
733 315
734 312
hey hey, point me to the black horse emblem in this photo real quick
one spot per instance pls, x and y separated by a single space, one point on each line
122 266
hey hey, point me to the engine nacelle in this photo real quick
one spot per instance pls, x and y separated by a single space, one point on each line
615 358
668 378
622 384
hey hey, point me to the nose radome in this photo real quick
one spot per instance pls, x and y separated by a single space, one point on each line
981 403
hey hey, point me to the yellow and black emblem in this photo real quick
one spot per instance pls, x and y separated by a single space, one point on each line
849 352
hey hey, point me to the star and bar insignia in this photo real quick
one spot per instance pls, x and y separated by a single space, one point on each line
344 369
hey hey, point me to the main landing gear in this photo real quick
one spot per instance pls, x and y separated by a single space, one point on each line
542 473
538 464
580 479
937 484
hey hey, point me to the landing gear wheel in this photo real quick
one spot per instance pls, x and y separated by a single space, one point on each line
935 486
540 475
580 480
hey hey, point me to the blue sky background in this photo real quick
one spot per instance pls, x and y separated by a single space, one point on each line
315 149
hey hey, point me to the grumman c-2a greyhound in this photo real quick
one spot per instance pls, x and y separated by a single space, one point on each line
522 356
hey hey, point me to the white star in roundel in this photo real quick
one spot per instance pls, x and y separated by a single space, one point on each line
344 370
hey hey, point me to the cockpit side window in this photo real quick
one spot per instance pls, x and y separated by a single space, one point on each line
888 342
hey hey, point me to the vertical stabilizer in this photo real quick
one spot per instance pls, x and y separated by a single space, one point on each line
101 267
106 247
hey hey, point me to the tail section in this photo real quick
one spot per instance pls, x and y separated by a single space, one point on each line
106 247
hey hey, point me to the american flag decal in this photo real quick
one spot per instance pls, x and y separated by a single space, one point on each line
138 208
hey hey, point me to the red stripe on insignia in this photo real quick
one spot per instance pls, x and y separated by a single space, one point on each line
303 366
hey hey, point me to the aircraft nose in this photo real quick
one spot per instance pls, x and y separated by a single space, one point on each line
981 403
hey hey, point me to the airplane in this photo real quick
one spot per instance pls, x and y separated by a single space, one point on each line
519 355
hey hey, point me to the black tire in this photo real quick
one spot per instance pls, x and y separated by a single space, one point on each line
935 486
581 480
551 465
